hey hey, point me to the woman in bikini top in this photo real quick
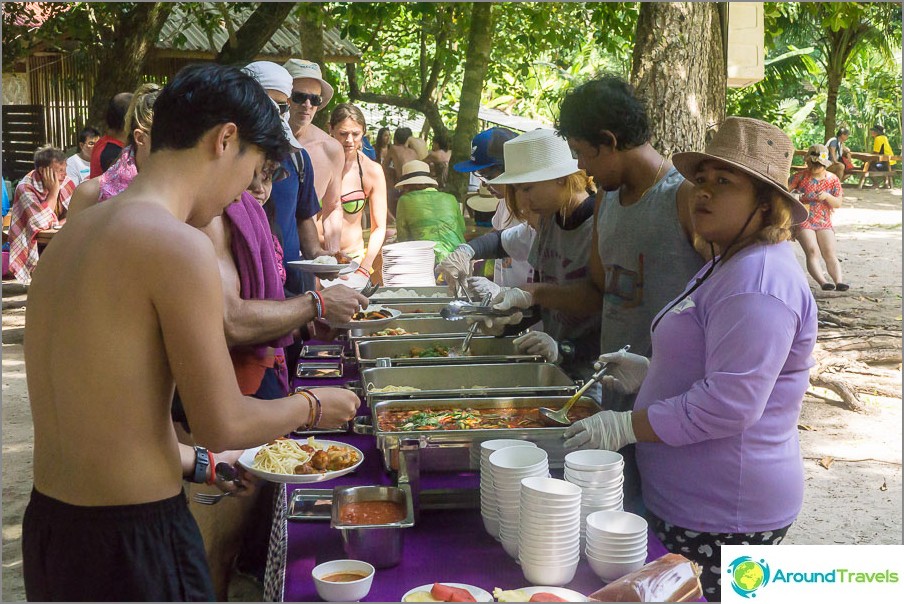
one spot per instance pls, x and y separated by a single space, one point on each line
367 188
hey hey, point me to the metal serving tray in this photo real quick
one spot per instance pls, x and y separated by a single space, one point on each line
509 379
420 294
459 450
424 326
484 349
412 310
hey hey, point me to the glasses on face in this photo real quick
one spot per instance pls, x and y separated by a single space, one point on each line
274 174
283 108
300 97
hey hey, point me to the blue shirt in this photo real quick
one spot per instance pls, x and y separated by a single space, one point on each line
293 203
5 199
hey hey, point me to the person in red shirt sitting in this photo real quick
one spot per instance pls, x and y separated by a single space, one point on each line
107 149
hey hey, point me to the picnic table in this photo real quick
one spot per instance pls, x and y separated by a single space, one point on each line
868 160
44 237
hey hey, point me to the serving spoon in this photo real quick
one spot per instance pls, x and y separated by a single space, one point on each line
560 418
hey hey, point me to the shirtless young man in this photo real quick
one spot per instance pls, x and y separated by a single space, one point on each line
310 92
398 154
107 519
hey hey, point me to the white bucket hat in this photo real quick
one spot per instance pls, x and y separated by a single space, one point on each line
299 68
482 200
416 172
536 156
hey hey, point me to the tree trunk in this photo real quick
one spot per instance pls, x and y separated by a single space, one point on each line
838 47
254 33
477 60
310 28
123 60
679 72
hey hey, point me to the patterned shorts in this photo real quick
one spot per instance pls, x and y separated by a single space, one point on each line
704 549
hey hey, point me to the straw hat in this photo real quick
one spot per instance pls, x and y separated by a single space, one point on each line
416 172
299 68
482 201
819 154
536 156
756 148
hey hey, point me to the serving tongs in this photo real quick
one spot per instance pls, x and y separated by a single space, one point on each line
457 309
560 417
466 344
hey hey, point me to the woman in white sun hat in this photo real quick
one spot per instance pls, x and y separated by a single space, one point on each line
542 177
715 418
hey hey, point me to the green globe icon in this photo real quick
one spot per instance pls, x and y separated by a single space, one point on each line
748 575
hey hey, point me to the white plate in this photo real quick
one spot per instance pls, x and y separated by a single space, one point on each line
309 266
481 595
246 460
567 594
374 323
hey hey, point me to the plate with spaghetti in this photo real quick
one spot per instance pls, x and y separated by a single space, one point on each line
292 461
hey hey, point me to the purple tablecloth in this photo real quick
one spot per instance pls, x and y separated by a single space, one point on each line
443 546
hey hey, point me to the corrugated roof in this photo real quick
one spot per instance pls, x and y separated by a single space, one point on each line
285 43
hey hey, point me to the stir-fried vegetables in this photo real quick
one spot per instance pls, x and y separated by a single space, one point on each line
465 419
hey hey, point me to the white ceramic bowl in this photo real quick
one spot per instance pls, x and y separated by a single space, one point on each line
605 551
517 458
557 575
489 446
510 546
554 514
596 539
610 571
615 524
552 504
540 551
594 476
491 525
609 483
590 500
552 489
348 591
590 460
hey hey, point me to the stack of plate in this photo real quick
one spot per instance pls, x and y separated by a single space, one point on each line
508 467
616 543
549 545
601 476
488 506
408 264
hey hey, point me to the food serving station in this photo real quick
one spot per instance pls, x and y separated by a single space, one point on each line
425 412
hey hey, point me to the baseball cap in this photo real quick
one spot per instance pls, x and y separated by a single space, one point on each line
486 150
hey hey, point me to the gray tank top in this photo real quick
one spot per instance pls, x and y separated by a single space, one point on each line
561 257
648 262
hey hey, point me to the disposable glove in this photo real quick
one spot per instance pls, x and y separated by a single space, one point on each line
626 371
512 297
609 430
540 343
456 266
495 326
482 287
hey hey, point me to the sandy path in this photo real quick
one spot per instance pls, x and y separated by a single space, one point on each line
850 502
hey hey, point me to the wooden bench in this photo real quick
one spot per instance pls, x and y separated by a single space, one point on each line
863 171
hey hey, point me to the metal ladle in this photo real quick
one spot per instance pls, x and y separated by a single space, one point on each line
560 418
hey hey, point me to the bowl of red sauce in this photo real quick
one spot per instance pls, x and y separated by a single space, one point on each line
371 519
343 580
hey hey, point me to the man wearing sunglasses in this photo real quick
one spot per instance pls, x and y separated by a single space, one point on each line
310 93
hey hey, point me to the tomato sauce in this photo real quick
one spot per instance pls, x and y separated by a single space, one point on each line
343 577
372 512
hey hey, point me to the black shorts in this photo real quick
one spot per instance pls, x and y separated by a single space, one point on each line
145 552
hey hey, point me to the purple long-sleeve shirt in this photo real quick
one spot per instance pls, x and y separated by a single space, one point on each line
729 369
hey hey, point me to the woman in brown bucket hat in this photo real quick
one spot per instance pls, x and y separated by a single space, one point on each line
715 419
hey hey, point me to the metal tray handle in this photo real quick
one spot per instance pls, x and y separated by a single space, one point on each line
363 425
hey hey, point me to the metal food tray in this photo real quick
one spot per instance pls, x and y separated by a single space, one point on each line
421 294
459 450
509 379
484 349
412 310
424 326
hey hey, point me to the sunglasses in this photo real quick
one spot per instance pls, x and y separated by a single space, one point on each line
283 108
300 97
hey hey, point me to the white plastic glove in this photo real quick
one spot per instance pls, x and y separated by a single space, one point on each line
538 342
512 297
456 266
609 430
626 371
483 287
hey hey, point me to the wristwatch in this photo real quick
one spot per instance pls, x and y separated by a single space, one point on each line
202 463
566 352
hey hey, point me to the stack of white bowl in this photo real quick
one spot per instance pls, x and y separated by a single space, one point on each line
549 545
408 264
616 543
508 467
489 510
601 476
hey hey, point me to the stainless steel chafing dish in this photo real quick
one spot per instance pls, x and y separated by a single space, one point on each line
419 294
423 326
418 309
459 450
484 349
509 379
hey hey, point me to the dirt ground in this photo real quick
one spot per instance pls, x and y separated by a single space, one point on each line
852 460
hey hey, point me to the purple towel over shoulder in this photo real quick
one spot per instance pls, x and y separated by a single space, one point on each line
255 259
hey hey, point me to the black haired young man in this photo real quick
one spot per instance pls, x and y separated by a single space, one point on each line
124 305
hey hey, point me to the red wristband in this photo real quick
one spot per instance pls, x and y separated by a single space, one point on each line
322 304
212 479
